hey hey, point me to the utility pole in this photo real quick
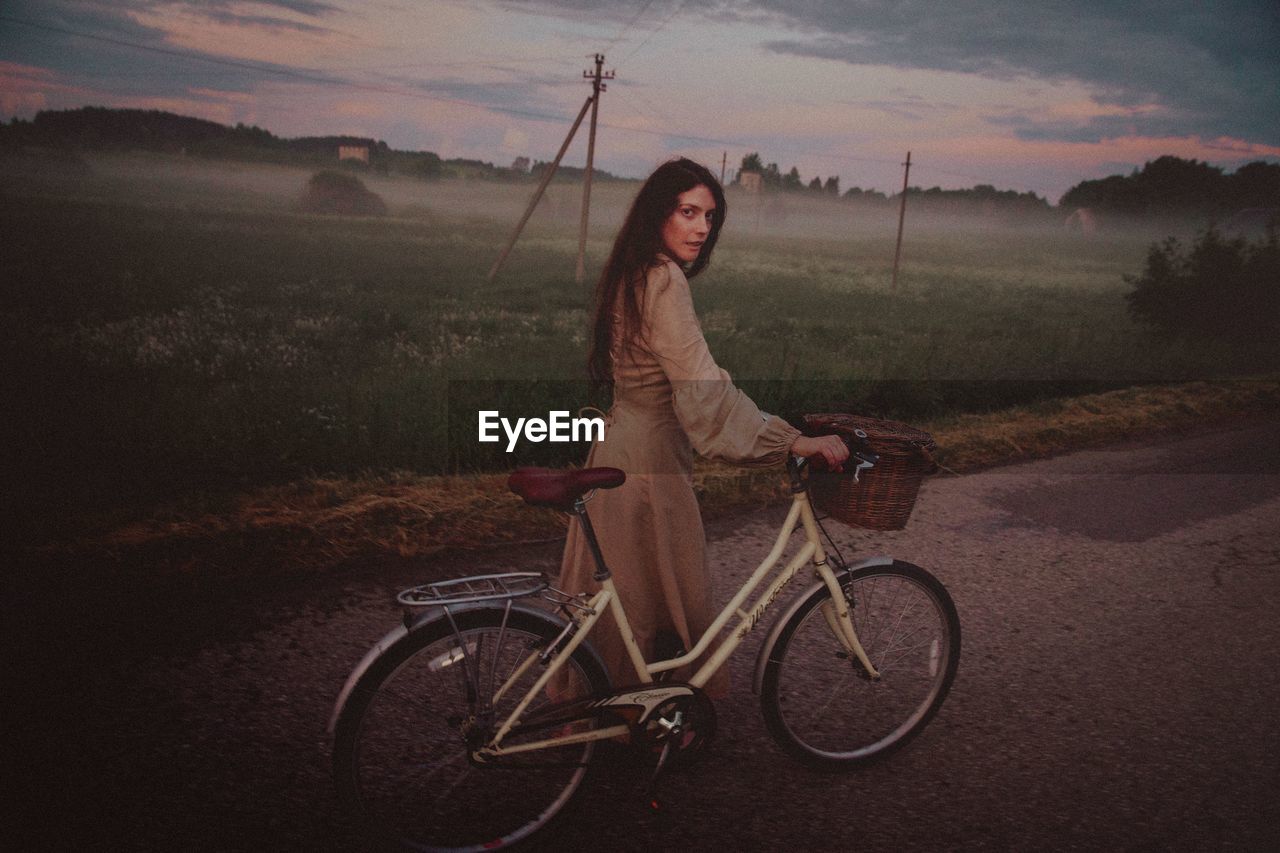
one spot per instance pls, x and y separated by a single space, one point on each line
537 195
596 88
902 215
724 159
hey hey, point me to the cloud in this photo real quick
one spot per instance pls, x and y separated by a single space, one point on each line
308 8
1200 69
265 21
911 109
231 12
127 50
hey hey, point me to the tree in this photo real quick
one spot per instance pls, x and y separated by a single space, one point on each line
859 194
1172 185
832 186
791 181
752 163
1219 288
426 164
816 184
1255 185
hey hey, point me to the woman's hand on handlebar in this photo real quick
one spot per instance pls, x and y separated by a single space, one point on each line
831 448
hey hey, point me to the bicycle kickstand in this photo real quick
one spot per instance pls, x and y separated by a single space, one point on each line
650 788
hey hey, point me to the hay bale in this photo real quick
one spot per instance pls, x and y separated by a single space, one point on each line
340 193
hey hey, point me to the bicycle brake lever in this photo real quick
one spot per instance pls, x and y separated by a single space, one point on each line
860 451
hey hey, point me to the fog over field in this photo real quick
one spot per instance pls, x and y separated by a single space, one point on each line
197 183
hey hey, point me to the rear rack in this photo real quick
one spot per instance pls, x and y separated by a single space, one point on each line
476 588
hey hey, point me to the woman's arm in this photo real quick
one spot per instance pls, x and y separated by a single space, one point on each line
720 421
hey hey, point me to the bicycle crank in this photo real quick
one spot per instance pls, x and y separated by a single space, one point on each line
678 728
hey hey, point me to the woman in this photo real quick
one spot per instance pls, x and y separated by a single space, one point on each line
669 400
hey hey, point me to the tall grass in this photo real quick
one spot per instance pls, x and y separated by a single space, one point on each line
165 335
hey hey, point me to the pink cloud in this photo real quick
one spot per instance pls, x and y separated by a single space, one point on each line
244 98
27 89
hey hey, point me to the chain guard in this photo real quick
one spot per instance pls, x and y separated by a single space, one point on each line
682 724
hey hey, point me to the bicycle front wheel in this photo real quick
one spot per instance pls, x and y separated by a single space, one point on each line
820 704
403 742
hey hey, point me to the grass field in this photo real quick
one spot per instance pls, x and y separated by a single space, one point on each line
172 329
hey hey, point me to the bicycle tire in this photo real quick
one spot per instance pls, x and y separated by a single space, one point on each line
401 758
820 705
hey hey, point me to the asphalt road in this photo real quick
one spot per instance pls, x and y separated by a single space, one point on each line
1118 687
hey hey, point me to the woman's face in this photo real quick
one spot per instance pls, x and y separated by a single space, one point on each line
687 227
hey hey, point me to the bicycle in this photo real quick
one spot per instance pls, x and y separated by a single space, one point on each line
474 722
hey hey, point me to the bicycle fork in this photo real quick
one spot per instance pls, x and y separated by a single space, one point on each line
836 611
840 621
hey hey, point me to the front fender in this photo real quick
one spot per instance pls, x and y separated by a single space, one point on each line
414 620
785 617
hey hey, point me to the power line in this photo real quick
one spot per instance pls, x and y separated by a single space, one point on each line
665 21
661 114
629 24
937 171
643 112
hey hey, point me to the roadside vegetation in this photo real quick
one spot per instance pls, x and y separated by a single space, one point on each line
316 523
1221 287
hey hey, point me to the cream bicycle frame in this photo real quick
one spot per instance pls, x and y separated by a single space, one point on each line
837 617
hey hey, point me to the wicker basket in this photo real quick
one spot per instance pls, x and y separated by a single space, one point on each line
883 497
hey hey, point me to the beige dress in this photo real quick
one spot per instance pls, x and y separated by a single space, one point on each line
670 399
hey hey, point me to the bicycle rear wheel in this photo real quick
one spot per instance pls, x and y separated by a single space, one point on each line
819 702
403 741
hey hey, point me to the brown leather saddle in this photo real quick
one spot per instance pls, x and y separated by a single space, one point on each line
559 488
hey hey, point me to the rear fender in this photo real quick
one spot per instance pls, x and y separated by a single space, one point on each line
417 619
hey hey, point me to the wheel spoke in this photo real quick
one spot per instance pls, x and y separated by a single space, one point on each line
894 641
904 652
422 773
840 688
889 610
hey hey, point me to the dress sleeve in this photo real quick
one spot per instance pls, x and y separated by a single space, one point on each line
720 421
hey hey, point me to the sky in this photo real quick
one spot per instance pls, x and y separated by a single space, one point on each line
1029 95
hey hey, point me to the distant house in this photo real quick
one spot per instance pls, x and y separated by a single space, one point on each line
354 152
750 181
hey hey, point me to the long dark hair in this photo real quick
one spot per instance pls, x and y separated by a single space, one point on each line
635 252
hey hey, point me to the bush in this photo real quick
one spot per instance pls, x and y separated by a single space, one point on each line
341 193
1221 287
